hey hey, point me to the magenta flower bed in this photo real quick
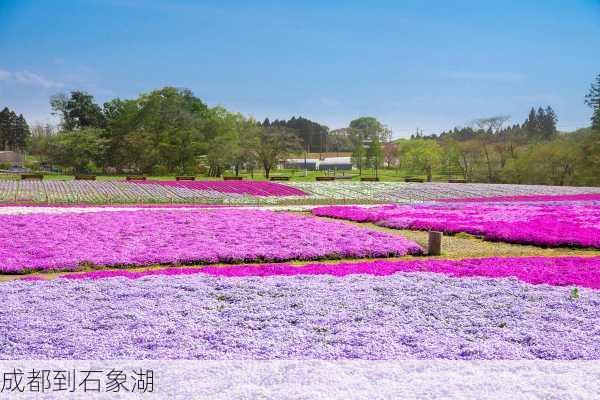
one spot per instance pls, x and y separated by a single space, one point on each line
251 188
64 242
544 198
558 271
547 224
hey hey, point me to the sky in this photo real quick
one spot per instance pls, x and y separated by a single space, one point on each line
430 65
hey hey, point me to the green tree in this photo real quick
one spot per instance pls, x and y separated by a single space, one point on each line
120 133
14 131
592 99
375 155
77 111
313 136
551 163
339 140
82 150
274 144
358 156
423 155
549 124
367 128
173 124
391 154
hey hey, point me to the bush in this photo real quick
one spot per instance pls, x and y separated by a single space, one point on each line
160 170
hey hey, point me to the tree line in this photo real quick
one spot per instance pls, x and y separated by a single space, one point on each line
162 132
489 150
172 131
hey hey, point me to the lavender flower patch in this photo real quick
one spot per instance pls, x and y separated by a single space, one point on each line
64 242
400 316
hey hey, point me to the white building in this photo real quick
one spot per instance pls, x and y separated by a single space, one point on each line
326 164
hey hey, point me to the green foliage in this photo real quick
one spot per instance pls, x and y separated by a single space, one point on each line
14 131
368 128
358 156
374 156
541 124
171 131
313 136
574 294
273 144
340 140
422 155
77 111
592 99
551 163
82 150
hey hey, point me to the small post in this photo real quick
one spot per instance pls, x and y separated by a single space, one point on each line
435 243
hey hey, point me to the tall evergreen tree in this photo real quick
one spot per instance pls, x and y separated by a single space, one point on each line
4 127
592 99
14 130
531 121
548 123
11 140
22 133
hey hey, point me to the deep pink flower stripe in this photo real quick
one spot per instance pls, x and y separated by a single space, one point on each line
558 271
252 188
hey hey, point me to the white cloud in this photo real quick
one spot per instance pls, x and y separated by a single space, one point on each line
28 78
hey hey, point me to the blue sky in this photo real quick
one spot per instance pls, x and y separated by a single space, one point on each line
426 64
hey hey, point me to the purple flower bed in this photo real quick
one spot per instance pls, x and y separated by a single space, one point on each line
64 242
399 316
558 271
252 188
547 224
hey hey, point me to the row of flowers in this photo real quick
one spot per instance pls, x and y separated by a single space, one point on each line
559 271
253 192
145 237
249 188
400 192
529 198
397 316
547 224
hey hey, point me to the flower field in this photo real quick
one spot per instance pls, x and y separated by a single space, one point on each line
543 198
401 192
260 193
540 223
249 188
140 281
558 271
68 241
399 316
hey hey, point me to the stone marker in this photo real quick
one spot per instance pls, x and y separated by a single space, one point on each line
435 243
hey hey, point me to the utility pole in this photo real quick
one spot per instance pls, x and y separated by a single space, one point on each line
305 155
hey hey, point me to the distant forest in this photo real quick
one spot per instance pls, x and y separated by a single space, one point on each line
172 131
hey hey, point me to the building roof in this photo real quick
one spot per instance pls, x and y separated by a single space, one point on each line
336 160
